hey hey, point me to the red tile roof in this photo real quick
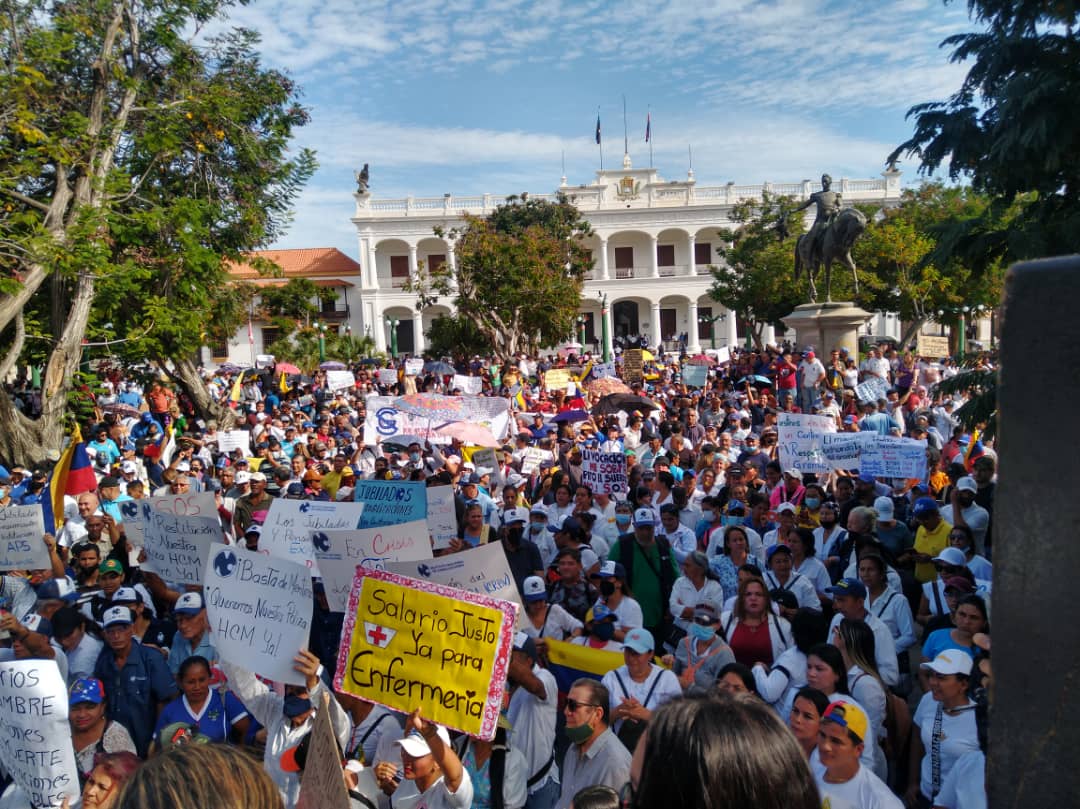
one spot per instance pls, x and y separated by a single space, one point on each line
306 262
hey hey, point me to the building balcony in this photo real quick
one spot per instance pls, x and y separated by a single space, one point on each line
335 311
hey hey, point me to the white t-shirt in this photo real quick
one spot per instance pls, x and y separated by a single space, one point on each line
958 736
436 796
533 731
559 624
799 586
620 684
965 788
884 646
864 791
628 614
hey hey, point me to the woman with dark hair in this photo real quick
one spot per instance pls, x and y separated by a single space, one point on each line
806 711
778 683
889 605
202 708
735 679
754 632
970 618
805 563
702 753
727 557
855 640
104 783
92 735
825 671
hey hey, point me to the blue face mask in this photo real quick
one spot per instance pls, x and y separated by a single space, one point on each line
296 705
732 519
605 630
812 502
537 528
699 632
622 519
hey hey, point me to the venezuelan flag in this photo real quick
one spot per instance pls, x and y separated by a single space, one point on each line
237 391
569 662
519 398
283 383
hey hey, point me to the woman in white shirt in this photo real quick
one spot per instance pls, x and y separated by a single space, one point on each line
697 587
779 683
855 640
885 602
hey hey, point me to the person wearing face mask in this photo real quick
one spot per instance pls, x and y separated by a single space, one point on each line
287 718
521 554
610 580
624 515
809 512
596 757
540 536
701 655
600 625
964 511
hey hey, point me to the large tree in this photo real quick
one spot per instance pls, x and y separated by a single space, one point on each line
1011 131
135 160
755 276
518 276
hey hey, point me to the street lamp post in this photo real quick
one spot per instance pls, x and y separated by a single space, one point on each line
712 321
322 341
603 324
392 322
962 313
581 321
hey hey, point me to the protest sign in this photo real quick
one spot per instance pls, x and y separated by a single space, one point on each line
441 515
872 389
469 385
932 346
192 504
385 420
556 379
892 457
259 608
695 376
531 459
21 543
414 366
177 546
723 355
483 570
485 458
390 502
340 380
322 786
409 644
844 450
230 440
35 747
799 438
341 551
387 376
632 365
293 526
603 472
603 369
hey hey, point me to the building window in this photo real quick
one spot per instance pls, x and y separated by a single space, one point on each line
624 262
399 271
704 327
270 335
435 261
219 348
665 255
703 253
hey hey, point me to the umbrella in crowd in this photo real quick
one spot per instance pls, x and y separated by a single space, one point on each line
286 368
121 409
625 402
699 359
469 433
369 361
229 368
400 443
439 367
439 409
756 381
332 365
606 385
570 416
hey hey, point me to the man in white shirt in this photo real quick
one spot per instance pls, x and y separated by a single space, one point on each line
533 711
843 782
849 599
963 510
812 375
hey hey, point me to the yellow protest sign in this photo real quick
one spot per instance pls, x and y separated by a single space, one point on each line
557 379
410 644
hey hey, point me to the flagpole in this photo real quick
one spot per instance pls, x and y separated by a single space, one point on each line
625 137
648 132
599 138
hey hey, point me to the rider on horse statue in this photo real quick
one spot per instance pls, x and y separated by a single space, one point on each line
828 206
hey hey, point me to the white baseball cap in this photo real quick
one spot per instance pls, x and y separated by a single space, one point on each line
114 616
416 745
951 661
533 589
515 515
644 516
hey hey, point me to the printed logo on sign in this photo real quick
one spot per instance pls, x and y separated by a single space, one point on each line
423 570
378 636
129 508
386 417
305 508
225 564
321 541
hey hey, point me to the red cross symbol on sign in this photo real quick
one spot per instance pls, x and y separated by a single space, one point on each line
377 636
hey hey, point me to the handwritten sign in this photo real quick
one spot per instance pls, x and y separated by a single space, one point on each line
340 380
414 366
556 379
695 376
409 644
469 385
603 472
390 502
387 376
193 504
799 438
532 457
932 346
21 544
483 570
872 389
723 355
322 786
485 458
441 515
259 609
632 365
293 527
342 551
35 747
177 546
601 370
844 450
891 457
231 440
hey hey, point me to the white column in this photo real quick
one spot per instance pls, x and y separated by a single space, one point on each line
418 333
378 330
451 259
768 335
731 326
609 346
414 268
691 267
693 346
603 261
654 259
657 340
373 267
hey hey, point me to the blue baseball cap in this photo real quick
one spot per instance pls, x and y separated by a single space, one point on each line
847 587
86 689
639 640
924 505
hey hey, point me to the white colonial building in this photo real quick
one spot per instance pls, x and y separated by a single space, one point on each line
653 241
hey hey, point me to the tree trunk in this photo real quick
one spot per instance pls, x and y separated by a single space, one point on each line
21 440
912 330
187 376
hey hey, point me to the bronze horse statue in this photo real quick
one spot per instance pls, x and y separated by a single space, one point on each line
836 243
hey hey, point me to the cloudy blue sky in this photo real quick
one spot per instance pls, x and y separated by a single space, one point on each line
475 96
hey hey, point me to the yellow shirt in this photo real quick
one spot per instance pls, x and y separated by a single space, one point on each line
932 543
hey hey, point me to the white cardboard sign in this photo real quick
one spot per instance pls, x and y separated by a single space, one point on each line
340 380
441 515
21 543
177 547
292 527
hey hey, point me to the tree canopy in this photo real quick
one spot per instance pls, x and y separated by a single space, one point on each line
136 159
518 275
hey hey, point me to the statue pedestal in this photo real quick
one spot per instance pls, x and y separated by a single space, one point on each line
828 325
